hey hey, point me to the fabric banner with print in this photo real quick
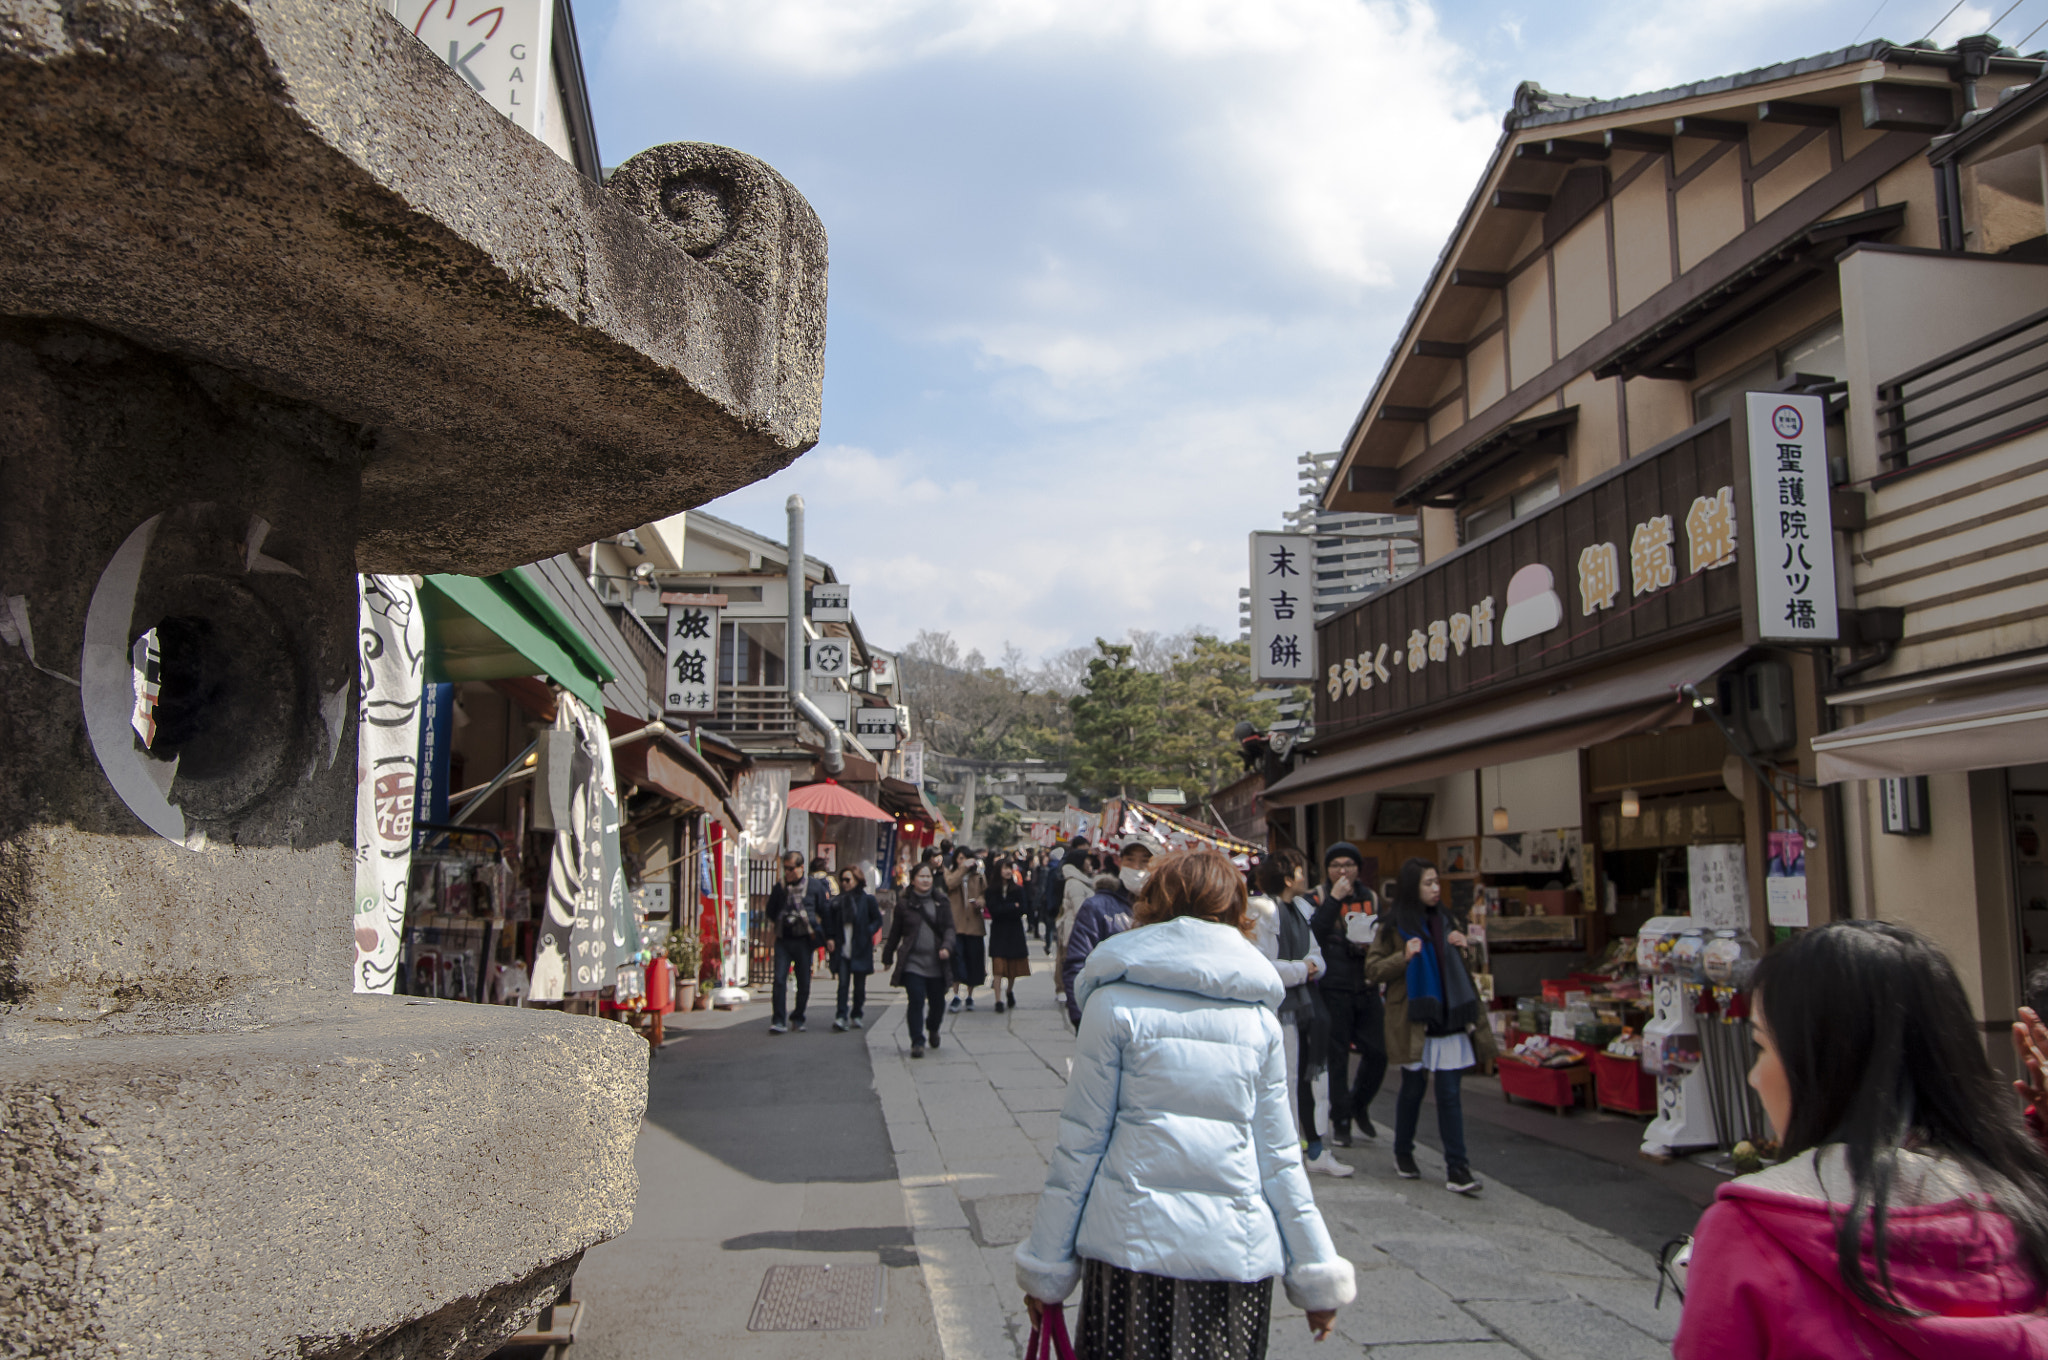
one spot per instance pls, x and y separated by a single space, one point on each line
762 800
391 651
584 931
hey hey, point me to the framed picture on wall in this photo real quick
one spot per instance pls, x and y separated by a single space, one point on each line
1458 857
1400 816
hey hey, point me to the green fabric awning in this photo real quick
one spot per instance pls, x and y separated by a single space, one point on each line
487 628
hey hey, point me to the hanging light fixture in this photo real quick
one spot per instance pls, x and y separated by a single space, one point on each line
1631 804
1500 812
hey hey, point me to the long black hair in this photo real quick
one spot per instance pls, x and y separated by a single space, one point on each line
1881 1051
1410 915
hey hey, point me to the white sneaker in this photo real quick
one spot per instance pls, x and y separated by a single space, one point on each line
1328 1166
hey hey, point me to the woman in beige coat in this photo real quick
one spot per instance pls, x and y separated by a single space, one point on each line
1436 1023
968 888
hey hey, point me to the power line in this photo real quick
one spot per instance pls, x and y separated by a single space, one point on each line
1942 20
2021 44
1993 25
1868 22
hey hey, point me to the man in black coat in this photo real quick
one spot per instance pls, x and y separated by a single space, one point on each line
1357 1015
795 907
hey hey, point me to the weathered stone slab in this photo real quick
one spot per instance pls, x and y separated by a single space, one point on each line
300 192
244 1186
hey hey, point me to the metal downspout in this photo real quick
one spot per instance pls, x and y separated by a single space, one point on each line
793 646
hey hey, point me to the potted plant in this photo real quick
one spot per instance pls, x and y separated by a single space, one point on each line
686 953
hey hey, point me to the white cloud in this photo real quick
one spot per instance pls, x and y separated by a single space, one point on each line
1102 268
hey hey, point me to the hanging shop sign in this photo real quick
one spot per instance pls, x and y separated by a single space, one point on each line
876 728
913 763
500 48
832 602
1283 619
1791 571
881 669
831 658
690 681
436 754
1634 556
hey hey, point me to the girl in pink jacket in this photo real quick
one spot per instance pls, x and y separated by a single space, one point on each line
1910 1215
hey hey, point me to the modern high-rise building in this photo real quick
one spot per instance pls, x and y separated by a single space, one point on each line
1355 554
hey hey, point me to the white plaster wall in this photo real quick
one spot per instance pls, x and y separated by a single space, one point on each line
1898 311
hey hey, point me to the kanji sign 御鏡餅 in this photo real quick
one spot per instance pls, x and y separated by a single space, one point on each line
1790 522
1283 617
690 685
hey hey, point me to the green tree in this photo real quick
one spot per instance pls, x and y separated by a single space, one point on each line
1117 726
1205 691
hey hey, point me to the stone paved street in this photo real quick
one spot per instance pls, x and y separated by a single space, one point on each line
823 1147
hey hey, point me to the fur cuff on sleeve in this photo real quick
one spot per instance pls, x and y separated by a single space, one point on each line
1327 1284
1050 1283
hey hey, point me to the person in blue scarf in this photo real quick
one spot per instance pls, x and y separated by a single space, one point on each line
1435 1024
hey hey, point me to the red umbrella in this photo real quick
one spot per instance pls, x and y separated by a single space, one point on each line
830 800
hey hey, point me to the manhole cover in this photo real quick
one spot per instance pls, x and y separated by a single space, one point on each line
818 1299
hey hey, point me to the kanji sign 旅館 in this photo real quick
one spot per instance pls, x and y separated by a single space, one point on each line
1634 558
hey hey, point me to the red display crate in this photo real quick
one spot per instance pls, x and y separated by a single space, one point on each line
1621 1085
1557 1087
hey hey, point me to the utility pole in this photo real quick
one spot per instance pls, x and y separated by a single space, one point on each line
967 810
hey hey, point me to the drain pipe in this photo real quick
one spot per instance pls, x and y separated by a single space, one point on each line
793 646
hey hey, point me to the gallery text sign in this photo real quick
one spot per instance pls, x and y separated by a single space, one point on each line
1791 521
1283 618
498 47
1642 552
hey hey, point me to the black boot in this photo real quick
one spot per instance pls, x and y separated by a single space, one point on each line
1340 1135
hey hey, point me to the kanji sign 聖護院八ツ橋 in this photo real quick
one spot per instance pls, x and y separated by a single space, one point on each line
1283 622
1790 521
690 678
1499 611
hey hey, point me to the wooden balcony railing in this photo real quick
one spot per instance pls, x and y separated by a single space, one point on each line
1986 392
754 710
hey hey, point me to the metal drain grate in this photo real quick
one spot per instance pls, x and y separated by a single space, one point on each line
818 1299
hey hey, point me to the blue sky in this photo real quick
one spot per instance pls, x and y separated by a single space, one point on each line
1102 268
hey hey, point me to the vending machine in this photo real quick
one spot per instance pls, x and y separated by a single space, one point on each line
1669 949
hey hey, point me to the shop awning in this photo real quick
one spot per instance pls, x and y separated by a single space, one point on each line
1981 732
487 628
1564 717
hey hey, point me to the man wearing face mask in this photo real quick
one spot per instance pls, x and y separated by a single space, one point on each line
1106 913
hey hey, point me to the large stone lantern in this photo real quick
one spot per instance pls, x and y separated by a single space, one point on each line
282 300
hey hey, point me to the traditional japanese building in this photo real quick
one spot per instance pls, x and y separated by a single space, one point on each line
1609 661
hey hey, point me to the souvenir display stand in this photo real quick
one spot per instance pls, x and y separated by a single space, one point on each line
462 895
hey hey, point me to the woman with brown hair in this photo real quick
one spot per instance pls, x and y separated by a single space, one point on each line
1177 1192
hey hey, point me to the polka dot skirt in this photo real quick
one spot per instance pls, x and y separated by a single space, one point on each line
1126 1315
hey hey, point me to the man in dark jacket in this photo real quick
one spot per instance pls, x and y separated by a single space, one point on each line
796 908
1106 913
851 922
1357 1017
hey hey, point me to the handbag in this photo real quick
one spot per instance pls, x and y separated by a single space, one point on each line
1049 1335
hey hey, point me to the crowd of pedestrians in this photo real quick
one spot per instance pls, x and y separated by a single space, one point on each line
1224 1050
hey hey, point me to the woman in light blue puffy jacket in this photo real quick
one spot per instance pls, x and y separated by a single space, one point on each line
1177 1191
